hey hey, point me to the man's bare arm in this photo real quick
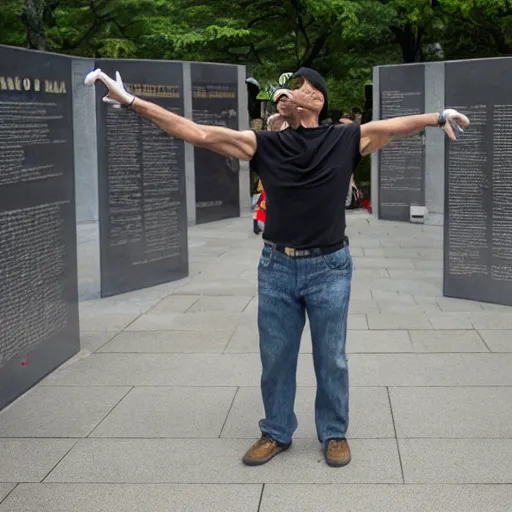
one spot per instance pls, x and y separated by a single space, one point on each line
377 134
238 144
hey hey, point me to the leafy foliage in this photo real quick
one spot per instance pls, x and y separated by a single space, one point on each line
343 39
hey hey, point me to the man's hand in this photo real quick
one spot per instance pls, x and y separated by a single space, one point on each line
117 94
306 98
453 122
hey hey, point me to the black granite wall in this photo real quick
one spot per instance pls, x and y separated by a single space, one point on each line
478 181
143 213
38 271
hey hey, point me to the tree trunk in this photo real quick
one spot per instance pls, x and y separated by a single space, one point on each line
410 42
37 16
317 47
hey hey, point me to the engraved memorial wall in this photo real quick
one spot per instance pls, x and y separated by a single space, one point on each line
478 202
38 272
401 163
215 102
142 202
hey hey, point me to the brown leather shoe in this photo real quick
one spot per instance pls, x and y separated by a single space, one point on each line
337 453
263 450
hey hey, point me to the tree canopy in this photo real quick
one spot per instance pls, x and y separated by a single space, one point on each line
343 39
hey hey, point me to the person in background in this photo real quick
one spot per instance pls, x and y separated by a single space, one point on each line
260 212
283 119
348 118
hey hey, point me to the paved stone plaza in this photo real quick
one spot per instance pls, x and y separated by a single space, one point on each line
157 410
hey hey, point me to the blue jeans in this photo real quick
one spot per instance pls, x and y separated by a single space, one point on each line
287 289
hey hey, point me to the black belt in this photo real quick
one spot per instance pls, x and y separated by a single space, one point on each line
308 253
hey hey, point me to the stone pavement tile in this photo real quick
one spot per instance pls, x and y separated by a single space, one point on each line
427 264
424 300
357 241
113 322
393 297
356 251
162 370
370 414
115 306
448 304
456 461
132 498
157 292
378 341
219 461
392 252
169 412
175 304
209 250
404 286
417 243
242 254
30 460
498 340
218 287
59 411
383 263
215 321
430 369
225 271
431 254
252 307
487 306
447 321
366 273
387 321
492 320
180 342
362 306
452 412
224 304
447 341
93 341
388 306
433 276
5 489
360 293
357 322
385 498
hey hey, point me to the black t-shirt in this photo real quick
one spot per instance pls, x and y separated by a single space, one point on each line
306 174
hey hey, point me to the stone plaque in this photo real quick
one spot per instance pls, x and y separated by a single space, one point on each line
478 199
401 163
38 270
143 214
215 102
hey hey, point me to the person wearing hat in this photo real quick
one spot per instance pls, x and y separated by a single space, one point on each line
305 264
286 111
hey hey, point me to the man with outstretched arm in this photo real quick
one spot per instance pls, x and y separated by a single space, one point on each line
305 265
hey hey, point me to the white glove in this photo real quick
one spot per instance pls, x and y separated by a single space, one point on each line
117 94
453 122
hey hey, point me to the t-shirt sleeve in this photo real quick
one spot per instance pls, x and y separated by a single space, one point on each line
350 139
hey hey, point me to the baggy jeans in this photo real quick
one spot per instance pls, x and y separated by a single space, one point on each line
288 287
